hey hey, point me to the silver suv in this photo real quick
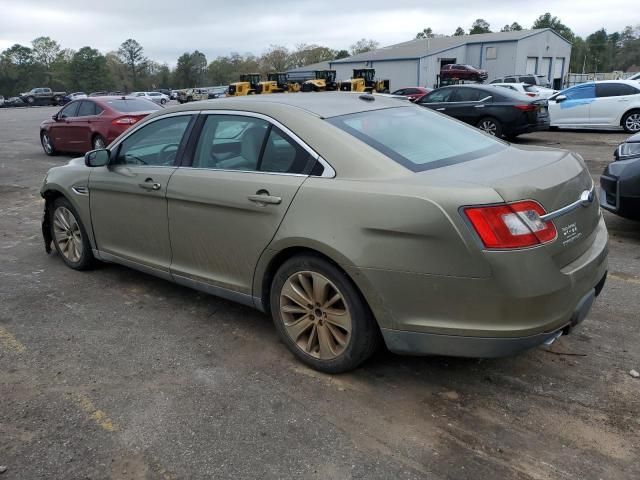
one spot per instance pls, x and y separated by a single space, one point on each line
529 79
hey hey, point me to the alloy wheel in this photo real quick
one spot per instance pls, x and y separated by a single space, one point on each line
489 127
98 143
632 123
67 234
46 143
315 315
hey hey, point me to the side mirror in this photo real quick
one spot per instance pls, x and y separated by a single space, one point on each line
54 117
560 98
97 158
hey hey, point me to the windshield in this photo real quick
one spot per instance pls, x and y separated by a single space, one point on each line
417 138
129 105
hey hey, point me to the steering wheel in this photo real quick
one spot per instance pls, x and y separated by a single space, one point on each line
165 157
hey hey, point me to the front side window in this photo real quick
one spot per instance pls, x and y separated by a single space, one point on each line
529 80
580 92
441 95
417 138
69 111
234 142
155 144
510 80
468 95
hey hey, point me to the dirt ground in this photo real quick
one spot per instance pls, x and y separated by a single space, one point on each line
116 374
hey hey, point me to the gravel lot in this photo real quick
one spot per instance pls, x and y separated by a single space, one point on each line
116 374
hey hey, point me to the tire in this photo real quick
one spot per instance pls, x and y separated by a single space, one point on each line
491 126
47 144
57 100
189 99
349 338
98 142
69 236
30 100
631 121
162 101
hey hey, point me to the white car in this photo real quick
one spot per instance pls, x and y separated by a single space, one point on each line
529 90
602 104
635 77
155 97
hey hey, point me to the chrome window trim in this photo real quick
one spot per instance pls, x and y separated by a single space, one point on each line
328 171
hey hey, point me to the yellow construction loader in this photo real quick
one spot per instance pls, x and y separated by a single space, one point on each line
364 80
324 80
248 85
282 82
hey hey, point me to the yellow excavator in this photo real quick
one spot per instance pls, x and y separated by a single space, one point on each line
325 80
248 85
364 80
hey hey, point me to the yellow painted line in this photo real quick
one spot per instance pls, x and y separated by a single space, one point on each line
95 414
10 342
625 278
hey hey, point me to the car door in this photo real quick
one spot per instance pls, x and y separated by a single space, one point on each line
227 204
436 99
128 196
465 104
60 132
612 100
574 110
79 127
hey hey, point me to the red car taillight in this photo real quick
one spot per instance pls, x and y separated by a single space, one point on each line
128 120
513 225
526 108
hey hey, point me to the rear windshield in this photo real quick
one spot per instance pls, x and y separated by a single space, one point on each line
417 138
132 105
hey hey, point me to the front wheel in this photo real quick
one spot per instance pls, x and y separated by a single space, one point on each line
321 316
631 122
69 236
491 126
163 101
31 100
47 144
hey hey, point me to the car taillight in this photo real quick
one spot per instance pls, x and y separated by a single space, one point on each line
526 108
129 120
512 225
530 94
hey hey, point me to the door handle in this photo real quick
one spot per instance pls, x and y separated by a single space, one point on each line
264 198
149 184
478 106
440 109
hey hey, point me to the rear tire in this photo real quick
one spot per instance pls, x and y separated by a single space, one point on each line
163 101
47 144
98 142
69 236
631 121
490 126
30 100
321 316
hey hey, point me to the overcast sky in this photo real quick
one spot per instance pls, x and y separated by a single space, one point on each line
166 29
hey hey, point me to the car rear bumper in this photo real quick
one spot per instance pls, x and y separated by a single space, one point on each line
495 316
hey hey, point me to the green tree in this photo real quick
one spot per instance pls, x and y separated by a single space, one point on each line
548 21
89 71
426 33
480 26
515 26
132 54
459 32
276 59
191 69
45 52
341 54
308 54
363 45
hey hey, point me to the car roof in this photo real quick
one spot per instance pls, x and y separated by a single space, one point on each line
321 104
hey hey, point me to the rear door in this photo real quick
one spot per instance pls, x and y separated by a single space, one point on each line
612 100
465 104
226 205
575 109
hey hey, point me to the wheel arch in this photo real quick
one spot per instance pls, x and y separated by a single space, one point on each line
631 110
270 262
52 192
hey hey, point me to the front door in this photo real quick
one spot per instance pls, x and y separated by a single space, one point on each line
226 207
60 132
128 197
574 110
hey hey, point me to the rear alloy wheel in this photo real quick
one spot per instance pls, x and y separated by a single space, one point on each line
98 142
69 236
320 315
631 122
163 101
47 144
491 126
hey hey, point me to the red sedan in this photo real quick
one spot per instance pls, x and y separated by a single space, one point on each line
412 93
92 123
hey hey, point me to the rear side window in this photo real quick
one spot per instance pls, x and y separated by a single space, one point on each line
529 79
86 109
615 90
132 105
510 80
468 95
417 138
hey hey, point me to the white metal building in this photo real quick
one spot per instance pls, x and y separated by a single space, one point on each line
418 62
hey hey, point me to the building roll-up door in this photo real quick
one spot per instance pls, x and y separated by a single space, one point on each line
532 64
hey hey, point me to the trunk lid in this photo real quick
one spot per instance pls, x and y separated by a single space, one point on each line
553 178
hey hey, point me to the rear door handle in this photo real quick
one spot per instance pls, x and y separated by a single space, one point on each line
440 109
478 106
265 198
149 184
